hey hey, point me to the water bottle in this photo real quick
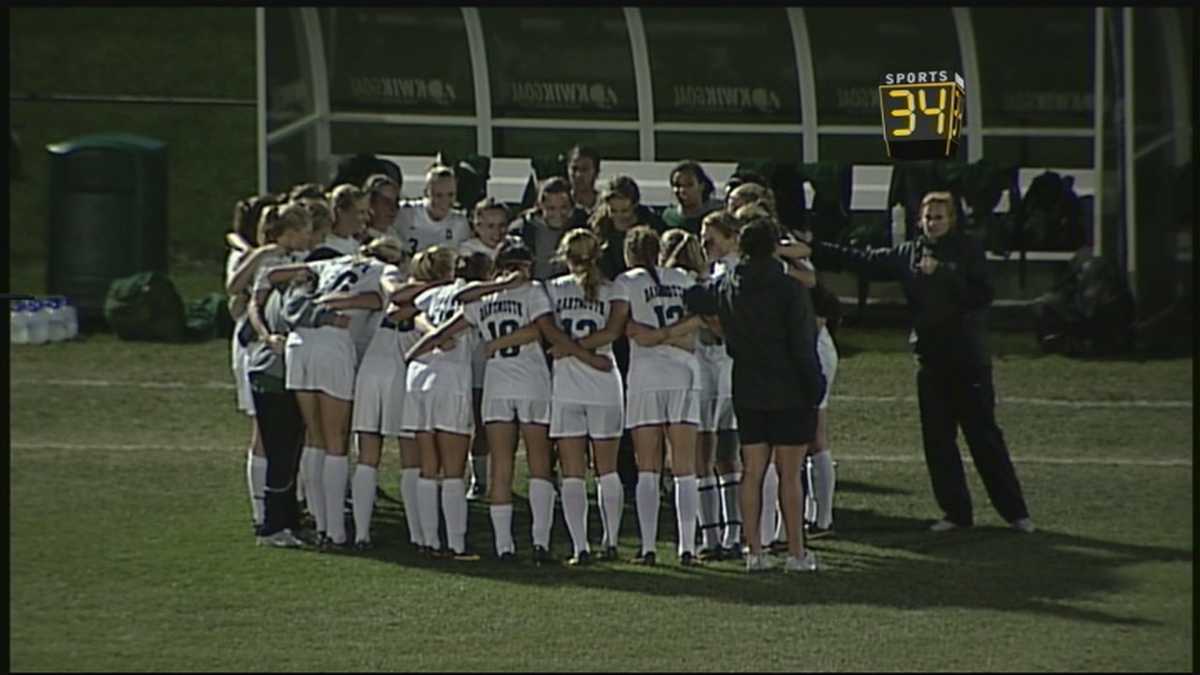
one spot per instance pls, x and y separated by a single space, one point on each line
18 323
70 319
38 325
899 225
55 321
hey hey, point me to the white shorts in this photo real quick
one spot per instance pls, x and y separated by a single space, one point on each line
241 382
828 356
667 406
523 410
716 414
379 402
438 411
321 359
599 422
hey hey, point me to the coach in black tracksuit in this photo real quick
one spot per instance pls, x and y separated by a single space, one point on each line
948 289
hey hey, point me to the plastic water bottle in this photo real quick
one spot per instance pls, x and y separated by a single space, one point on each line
899 225
55 321
70 319
18 323
39 328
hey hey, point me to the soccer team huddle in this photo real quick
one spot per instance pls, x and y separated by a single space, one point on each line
362 317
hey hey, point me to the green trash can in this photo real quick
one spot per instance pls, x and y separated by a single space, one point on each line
108 216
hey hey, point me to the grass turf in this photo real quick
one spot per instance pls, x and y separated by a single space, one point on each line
140 558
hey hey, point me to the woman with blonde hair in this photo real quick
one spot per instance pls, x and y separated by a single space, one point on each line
588 403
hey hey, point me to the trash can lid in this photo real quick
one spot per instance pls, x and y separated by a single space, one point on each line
112 141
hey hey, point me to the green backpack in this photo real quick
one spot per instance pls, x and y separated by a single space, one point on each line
145 306
208 317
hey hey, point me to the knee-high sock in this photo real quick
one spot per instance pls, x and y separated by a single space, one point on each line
412 505
256 482
454 505
731 509
710 512
502 527
647 508
366 479
427 495
575 508
823 486
314 461
333 483
687 504
301 476
541 504
770 504
612 500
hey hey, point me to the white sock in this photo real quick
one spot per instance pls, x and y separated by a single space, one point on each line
770 503
611 496
687 504
710 512
427 496
575 508
314 461
647 508
454 505
333 483
256 481
366 478
541 503
823 481
412 508
301 476
731 509
479 470
502 528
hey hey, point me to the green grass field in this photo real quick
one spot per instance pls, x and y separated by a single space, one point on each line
131 550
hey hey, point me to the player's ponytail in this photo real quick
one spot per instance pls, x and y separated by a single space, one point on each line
681 249
642 249
580 250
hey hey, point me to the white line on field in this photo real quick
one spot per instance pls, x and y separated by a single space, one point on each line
1063 403
891 459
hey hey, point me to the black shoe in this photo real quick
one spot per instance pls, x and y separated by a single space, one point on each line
541 556
465 554
610 553
581 559
712 554
778 546
431 553
360 546
647 559
731 553
814 532
688 560
507 557
328 544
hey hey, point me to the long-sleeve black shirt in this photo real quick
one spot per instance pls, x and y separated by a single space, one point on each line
770 332
949 307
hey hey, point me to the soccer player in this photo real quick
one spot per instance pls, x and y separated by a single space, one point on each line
431 220
662 400
588 403
351 213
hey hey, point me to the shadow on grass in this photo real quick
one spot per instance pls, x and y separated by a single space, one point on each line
873 559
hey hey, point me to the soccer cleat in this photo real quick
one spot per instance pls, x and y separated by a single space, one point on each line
582 558
806 564
688 560
363 545
814 532
778 546
328 544
281 539
943 525
1023 525
431 553
647 559
465 554
477 491
610 553
732 553
712 554
759 562
541 556
507 557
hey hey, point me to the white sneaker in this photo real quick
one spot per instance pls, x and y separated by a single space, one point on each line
943 525
1023 525
806 564
759 563
281 539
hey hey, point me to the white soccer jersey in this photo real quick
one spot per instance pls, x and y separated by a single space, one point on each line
475 245
658 305
349 274
268 263
578 317
343 245
418 231
440 369
383 350
714 357
513 372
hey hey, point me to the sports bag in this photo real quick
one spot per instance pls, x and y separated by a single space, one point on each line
145 306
